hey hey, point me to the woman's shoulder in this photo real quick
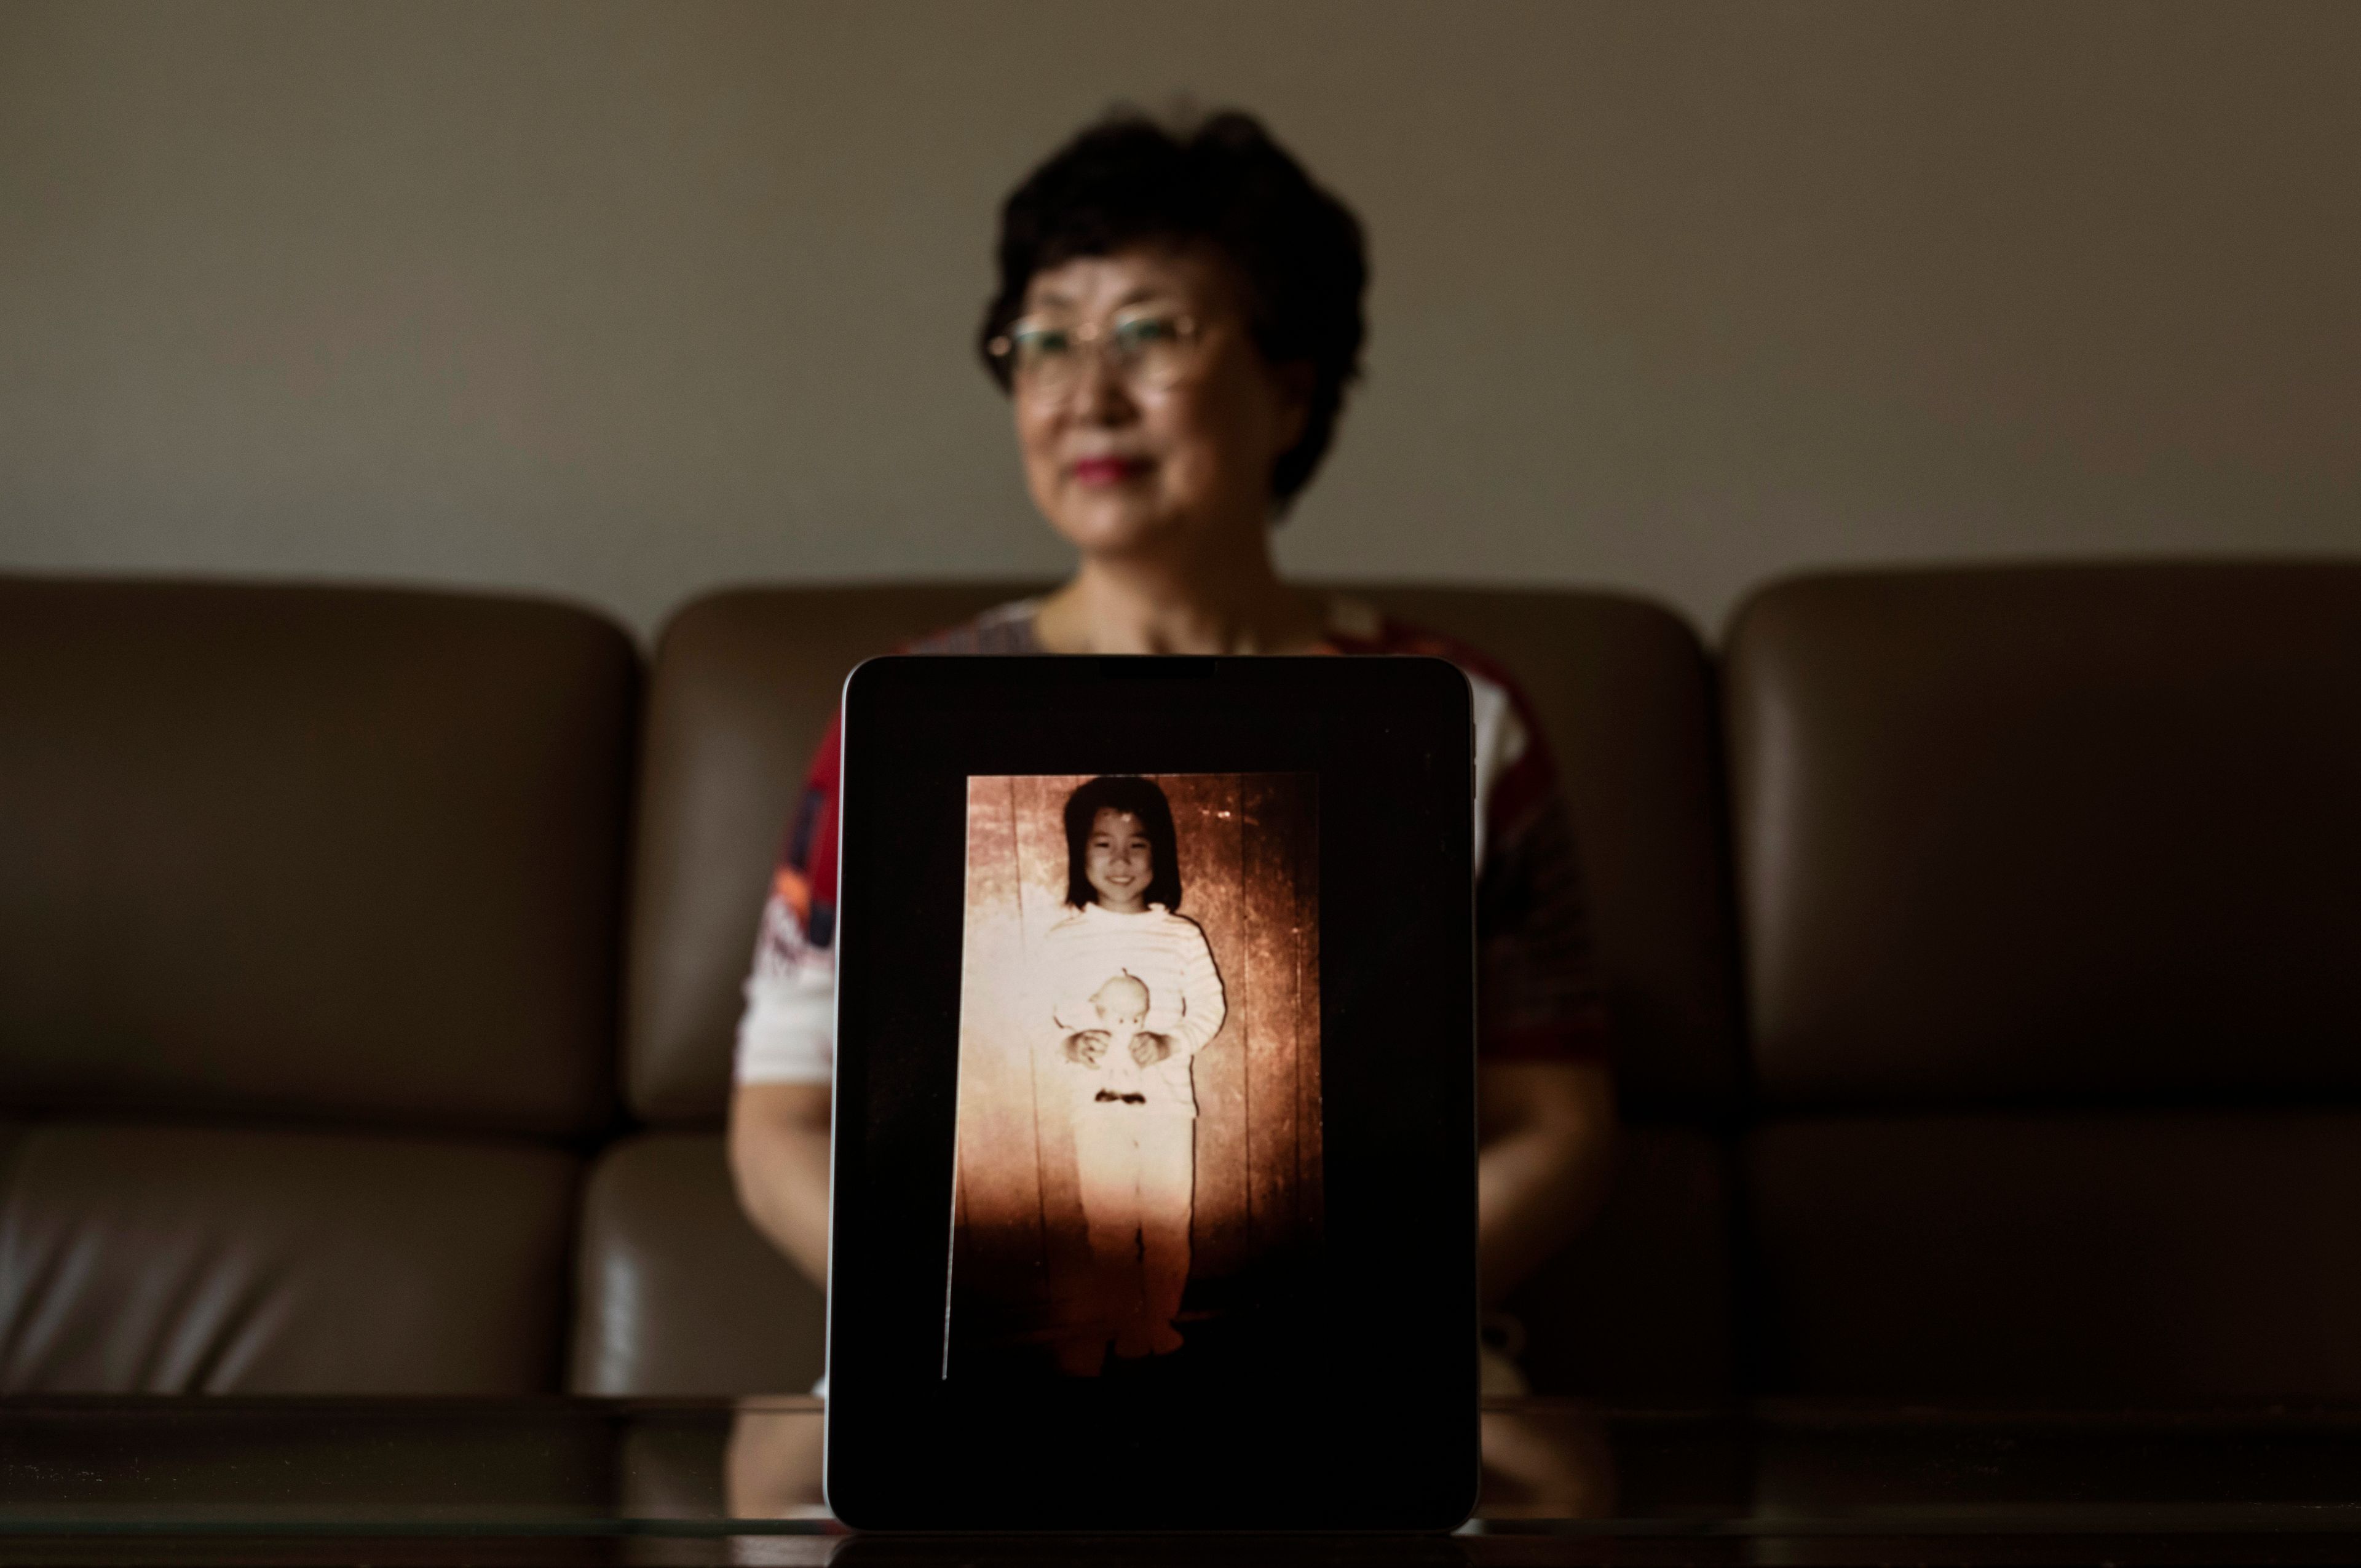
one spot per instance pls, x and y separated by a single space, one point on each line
1355 625
1514 769
1004 629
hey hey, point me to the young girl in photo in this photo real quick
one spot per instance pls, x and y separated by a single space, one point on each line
1132 992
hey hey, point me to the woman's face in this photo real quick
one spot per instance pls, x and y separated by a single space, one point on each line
1118 862
1125 470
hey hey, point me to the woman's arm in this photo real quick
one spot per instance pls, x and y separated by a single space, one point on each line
778 1158
1545 1148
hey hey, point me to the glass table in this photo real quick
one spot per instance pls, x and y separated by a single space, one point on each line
567 1481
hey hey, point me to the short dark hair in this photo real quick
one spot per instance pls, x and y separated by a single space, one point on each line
1141 798
1130 181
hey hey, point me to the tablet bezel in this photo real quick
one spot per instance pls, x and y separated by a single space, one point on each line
1376 1427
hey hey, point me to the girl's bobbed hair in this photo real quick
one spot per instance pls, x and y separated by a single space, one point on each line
1142 798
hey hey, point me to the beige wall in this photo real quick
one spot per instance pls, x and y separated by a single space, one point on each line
622 302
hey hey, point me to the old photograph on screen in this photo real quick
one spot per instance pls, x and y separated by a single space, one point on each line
1138 1176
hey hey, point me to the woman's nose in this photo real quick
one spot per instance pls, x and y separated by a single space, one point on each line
1102 395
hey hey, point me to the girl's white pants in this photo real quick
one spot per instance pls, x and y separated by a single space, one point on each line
1137 1170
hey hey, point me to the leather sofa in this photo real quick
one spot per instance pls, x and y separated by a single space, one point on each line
2051 882
308 908
1979 943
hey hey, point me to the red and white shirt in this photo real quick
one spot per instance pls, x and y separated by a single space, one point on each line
1536 994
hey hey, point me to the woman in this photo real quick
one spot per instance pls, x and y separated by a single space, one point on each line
1178 319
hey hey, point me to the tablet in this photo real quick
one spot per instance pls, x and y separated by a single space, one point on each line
1153 1202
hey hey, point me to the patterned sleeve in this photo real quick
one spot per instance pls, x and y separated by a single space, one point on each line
1537 995
1537 991
787 1032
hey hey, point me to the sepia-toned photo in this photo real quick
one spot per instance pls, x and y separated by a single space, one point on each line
1138 1172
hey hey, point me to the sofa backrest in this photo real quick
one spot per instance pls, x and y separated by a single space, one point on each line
2051 891
1642 1307
304 852
332 879
1625 693
2051 834
743 688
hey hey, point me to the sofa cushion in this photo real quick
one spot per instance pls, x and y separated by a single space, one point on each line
676 1293
1642 1307
2051 834
741 693
183 1260
300 851
2157 1257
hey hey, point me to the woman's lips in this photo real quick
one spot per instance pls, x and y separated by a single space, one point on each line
1108 470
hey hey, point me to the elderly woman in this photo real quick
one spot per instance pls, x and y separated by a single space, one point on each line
1177 318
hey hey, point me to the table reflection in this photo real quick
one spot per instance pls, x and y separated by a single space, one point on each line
1542 1459
770 1468
1546 1461
226 1480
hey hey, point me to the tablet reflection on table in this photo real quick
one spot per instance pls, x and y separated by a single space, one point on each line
1546 1459
771 1469
1543 1460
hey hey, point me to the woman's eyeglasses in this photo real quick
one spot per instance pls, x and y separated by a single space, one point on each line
1150 350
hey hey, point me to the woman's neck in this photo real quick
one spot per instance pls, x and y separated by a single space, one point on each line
1135 606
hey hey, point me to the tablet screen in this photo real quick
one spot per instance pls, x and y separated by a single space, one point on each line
1138 1107
1154 1164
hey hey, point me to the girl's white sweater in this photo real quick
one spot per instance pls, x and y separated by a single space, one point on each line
1164 951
